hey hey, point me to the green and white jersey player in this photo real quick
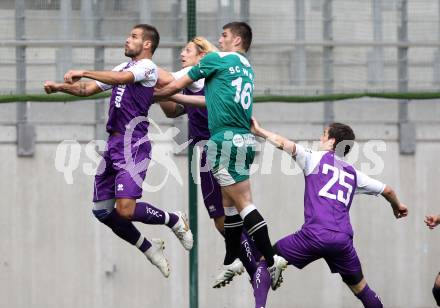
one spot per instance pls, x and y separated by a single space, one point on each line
229 84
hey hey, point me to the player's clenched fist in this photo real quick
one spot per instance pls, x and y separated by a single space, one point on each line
73 76
400 211
432 221
50 87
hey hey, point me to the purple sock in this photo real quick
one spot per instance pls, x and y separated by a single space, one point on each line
369 298
122 227
261 284
151 215
145 244
173 220
249 254
126 230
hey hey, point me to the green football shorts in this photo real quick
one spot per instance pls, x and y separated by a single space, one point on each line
230 154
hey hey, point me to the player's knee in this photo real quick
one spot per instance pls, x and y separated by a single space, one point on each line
102 209
436 293
355 281
125 208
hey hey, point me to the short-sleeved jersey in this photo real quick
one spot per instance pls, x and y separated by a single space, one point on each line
129 101
229 85
329 189
197 116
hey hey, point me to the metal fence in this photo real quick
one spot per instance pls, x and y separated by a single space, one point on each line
300 47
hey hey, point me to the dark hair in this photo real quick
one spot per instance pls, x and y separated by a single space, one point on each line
242 30
342 134
150 33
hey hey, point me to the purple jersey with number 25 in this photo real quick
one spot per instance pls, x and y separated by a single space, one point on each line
329 189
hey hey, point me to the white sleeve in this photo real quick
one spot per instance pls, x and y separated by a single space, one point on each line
181 73
144 71
367 185
196 86
104 86
302 156
307 159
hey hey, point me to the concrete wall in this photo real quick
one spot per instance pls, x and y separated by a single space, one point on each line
53 253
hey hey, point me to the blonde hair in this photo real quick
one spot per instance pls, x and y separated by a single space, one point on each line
203 45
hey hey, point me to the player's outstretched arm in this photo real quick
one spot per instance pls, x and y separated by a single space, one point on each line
280 142
107 77
164 78
432 221
81 88
173 87
399 209
189 100
170 108
173 105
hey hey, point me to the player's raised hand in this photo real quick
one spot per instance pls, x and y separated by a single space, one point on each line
255 126
73 76
400 211
432 221
50 87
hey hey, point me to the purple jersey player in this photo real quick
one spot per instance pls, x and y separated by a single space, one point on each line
329 189
198 133
125 161
431 222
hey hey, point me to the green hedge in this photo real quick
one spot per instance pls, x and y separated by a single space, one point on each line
14 98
